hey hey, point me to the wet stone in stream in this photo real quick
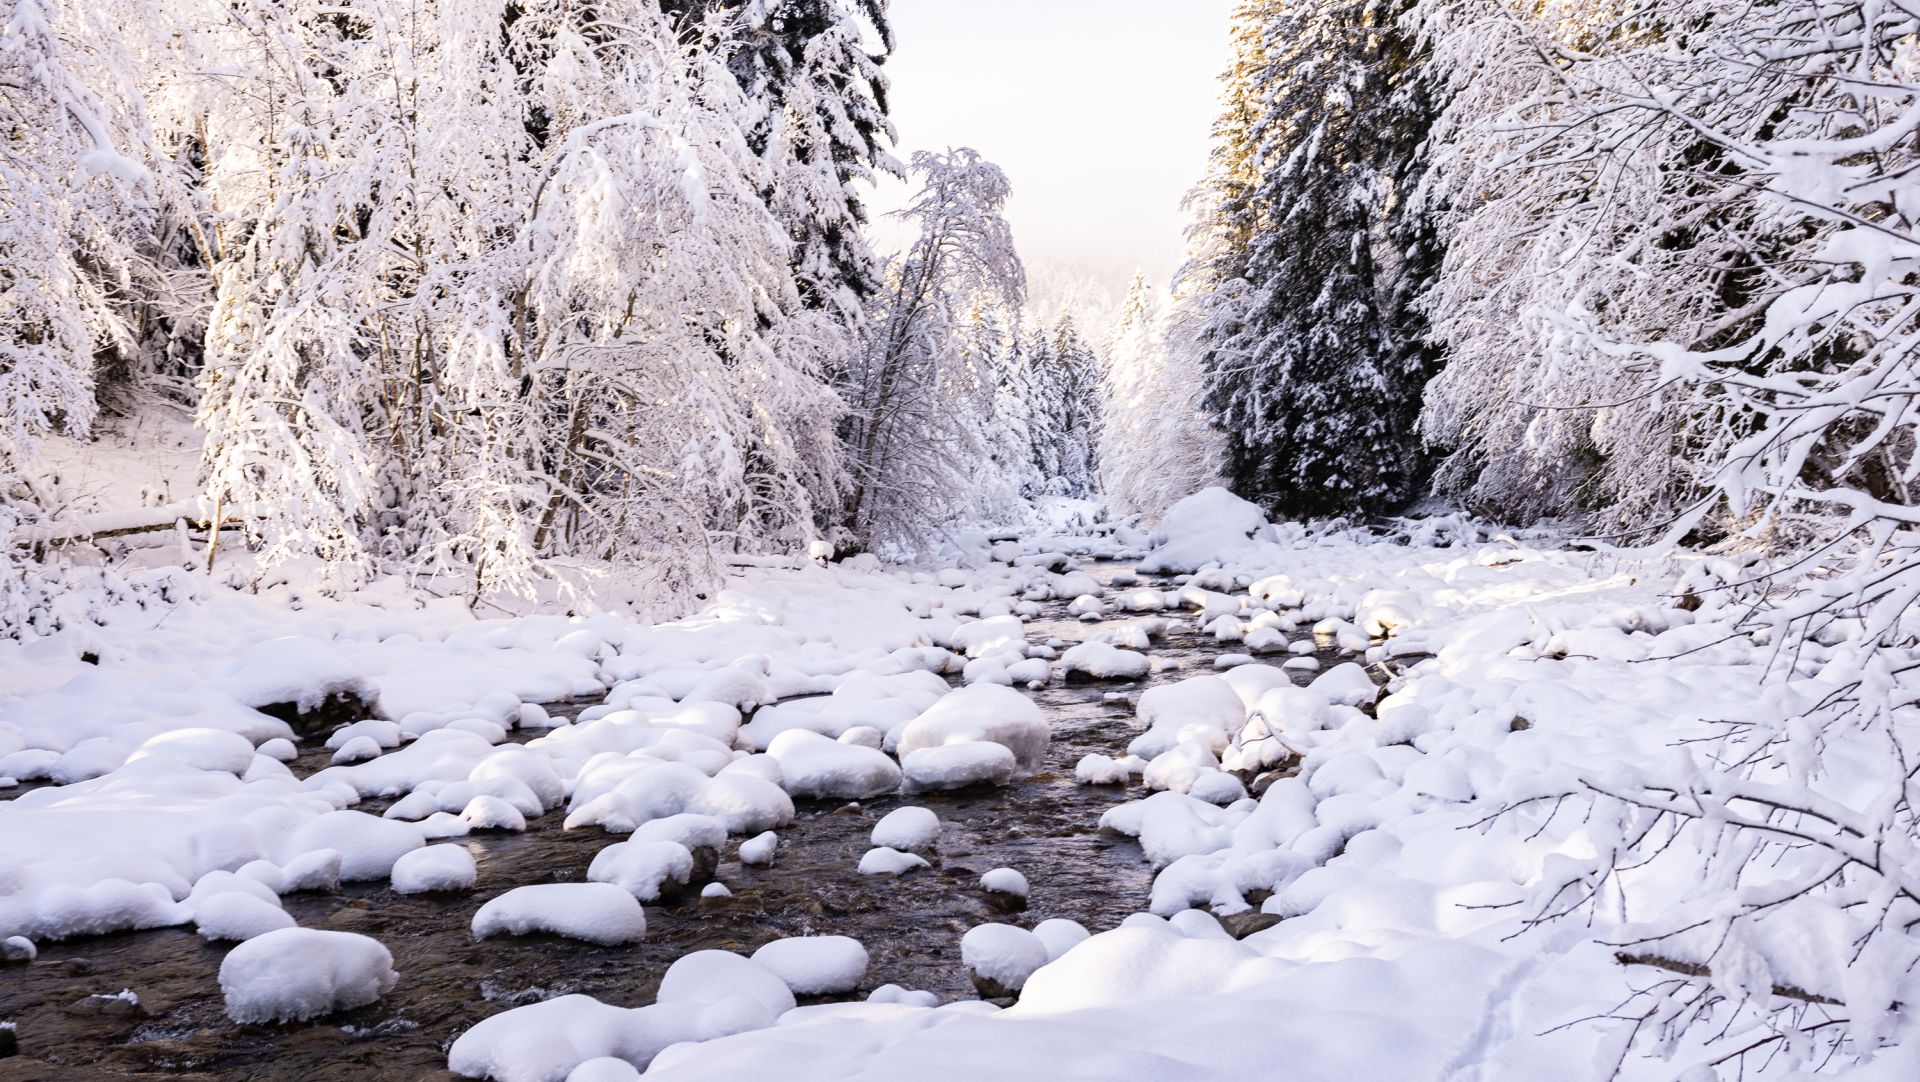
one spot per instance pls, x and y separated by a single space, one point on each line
1045 827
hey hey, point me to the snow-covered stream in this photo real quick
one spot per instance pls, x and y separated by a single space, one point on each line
1045 826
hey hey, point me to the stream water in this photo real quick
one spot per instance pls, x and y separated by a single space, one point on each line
71 1027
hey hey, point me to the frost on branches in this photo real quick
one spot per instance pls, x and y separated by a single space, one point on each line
1683 294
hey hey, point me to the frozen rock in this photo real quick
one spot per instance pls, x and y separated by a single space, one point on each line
956 766
492 813
884 861
759 849
293 974
358 750
435 868
816 965
1103 661
819 766
1000 957
367 845
199 749
1060 935
909 830
592 912
711 976
233 915
18 948
981 712
646 870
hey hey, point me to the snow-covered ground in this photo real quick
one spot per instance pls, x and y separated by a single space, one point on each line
1384 883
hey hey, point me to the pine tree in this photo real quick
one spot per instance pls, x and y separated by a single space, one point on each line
1319 404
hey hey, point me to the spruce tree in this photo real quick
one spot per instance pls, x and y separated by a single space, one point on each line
1320 400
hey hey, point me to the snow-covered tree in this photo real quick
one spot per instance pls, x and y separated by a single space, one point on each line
1319 398
1156 445
912 437
1680 291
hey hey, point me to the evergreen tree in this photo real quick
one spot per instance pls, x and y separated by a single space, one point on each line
1155 444
1320 399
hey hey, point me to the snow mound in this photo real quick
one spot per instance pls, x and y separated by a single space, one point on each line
1005 881
646 870
819 766
293 974
435 868
1212 526
759 849
234 915
1104 661
592 912
711 976
981 712
956 766
368 845
546 1042
815 965
884 861
909 830
1000 958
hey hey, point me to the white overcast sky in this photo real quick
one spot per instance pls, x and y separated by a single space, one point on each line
1098 110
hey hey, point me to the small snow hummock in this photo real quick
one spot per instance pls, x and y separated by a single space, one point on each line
958 766
711 976
909 829
981 712
817 965
1060 935
293 974
1005 881
592 912
759 849
237 915
1096 769
893 993
1000 958
435 868
820 766
647 870
18 948
716 889
884 861
1104 661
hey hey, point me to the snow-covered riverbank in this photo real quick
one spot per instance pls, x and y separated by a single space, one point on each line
1385 879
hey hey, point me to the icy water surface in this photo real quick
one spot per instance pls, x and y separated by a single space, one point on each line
1046 827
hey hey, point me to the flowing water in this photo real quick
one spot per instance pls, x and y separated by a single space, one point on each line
70 1027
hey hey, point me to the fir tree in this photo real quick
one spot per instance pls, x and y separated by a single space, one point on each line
1320 399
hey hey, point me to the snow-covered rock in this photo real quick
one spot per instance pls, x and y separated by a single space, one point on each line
909 829
1104 661
815 965
884 861
819 766
647 870
293 974
981 712
435 868
956 766
593 912
232 915
1000 957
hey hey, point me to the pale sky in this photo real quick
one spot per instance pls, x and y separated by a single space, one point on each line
1098 110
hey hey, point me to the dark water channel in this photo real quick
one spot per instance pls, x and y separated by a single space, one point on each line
1046 827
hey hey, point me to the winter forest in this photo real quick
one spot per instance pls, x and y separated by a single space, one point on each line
539 541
